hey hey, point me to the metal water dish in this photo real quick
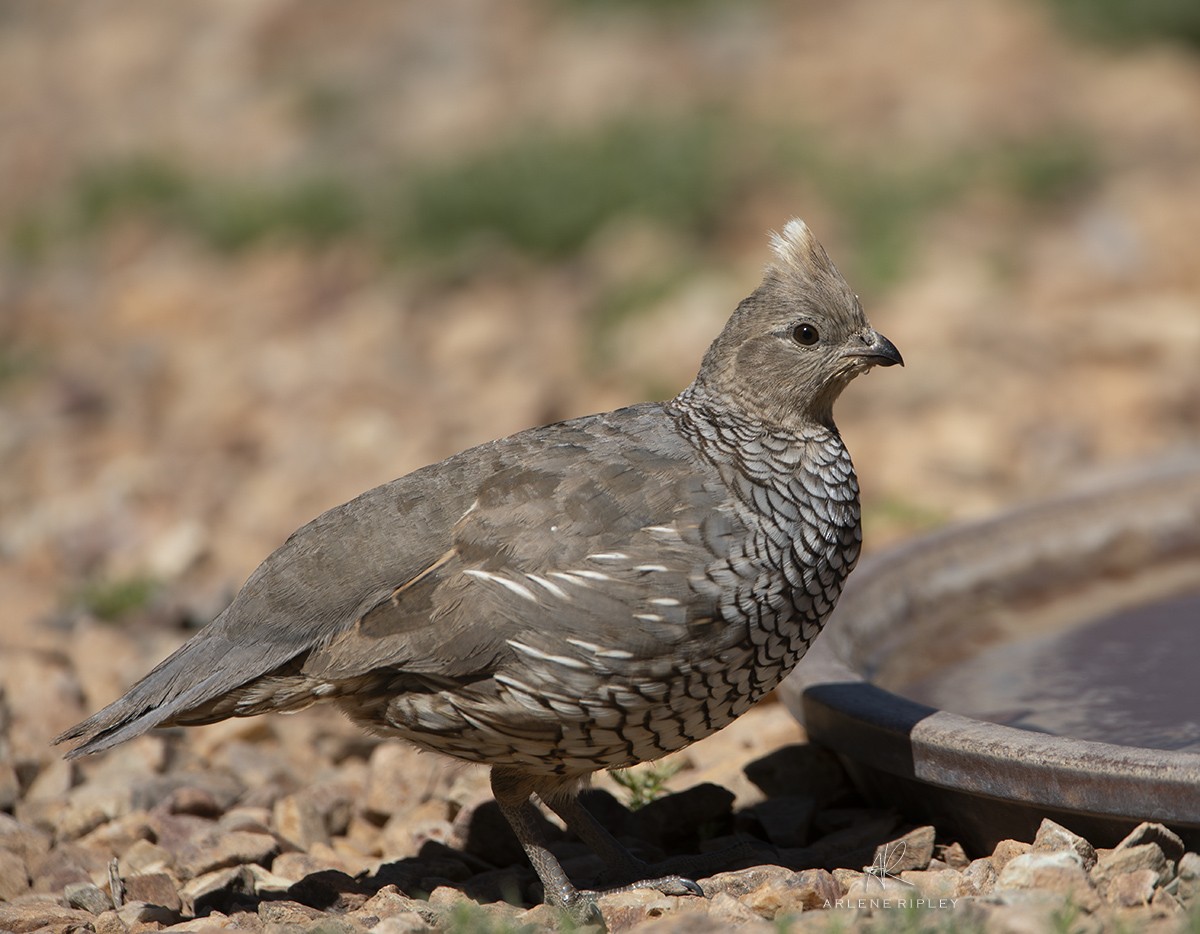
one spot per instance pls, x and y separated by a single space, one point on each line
1057 652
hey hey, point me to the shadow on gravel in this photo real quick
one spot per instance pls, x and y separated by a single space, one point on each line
809 817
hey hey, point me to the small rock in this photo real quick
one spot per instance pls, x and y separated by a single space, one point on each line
389 780
220 850
334 925
10 786
1165 903
121 833
153 888
198 802
934 883
1052 837
350 859
1059 872
979 878
445 897
405 834
14 877
139 913
845 877
298 866
801 891
23 917
265 881
335 801
53 782
87 896
1005 850
389 901
255 820
1131 889
725 908
744 881
1187 884
879 887
953 855
410 922
1131 859
66 863
146 857
912 851
1025 912
141 757
204 793
216 889
285 912
80 817
468 785
27 841
298 821
1168 841
110 923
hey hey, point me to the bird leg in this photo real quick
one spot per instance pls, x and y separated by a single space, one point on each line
620 862
513 790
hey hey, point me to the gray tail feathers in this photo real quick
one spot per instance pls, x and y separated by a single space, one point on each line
201 669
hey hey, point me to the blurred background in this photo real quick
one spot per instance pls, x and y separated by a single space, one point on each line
257 256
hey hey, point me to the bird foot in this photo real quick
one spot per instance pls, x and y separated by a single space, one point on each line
581 906
668 885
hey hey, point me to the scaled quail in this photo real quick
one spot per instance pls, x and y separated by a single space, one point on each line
587 595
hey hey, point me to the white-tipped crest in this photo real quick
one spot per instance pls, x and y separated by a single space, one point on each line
796 241
800 257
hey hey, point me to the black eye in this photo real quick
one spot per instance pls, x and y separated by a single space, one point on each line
805 334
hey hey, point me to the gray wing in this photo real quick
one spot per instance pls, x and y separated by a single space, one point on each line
574 552
411 575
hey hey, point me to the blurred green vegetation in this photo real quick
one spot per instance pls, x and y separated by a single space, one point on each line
644 783
467 917
230 216
892 515
112 599
16 362
652 8
1129 21
546 193
1048 170
884 202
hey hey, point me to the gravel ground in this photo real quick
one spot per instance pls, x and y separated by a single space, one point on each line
304 824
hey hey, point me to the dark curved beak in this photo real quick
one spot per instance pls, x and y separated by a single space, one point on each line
876 349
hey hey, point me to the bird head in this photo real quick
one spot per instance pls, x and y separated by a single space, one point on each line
791 347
